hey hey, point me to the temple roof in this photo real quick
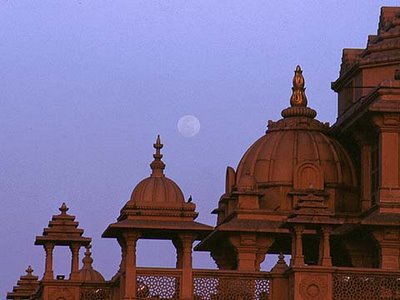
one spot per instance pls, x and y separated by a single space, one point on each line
26 286
62 230
382 48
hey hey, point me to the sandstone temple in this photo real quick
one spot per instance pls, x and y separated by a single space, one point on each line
326 196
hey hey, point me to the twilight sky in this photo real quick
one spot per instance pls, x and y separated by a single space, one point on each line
86 85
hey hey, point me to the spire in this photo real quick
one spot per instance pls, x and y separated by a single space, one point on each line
298 100
87 260
298 97
280 266
87 273
157 165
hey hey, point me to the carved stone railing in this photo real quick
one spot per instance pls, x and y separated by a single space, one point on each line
95 294
95 291
365 284
231 285
158 283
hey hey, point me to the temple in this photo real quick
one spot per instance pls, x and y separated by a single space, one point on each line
327 197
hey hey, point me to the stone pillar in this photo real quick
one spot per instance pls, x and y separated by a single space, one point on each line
297 246
130 289
74 247
325 252
224 257
364 140
48 271
247 259
179 252
121 271
245 245
121 243
365 182
279 282
310 283
389 244
389 165
187 268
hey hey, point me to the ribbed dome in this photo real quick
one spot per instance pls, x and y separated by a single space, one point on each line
274 157
296 153
157 189
153 190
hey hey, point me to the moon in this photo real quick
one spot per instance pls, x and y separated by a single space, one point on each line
188 126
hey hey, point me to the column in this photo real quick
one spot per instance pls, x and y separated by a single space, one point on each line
187 271
279 286
365 183
178 246
245 245
297 246
389 162
48 271
129 292
364 139
389 243
122 264
326 260
121 271
74 247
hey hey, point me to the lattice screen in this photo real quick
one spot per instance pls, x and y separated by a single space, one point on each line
225 288
365 287
95 294
158 287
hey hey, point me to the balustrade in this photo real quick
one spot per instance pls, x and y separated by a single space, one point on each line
157 283
365 284
218 285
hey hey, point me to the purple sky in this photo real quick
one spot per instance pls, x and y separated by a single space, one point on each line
87 85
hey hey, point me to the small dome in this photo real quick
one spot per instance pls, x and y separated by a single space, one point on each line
157 189
87 273
296 153
153 190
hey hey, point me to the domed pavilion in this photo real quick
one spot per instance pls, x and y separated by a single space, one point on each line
297 173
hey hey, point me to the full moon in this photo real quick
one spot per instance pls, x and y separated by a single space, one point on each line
188 126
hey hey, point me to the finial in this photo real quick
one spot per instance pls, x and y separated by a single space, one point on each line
157 165
29 271
63 209
280 266
88 260
298 97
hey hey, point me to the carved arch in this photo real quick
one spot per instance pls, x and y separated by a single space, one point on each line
308 175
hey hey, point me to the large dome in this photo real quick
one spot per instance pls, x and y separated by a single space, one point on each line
297 153
289 143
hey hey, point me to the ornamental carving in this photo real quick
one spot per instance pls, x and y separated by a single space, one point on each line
314 288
